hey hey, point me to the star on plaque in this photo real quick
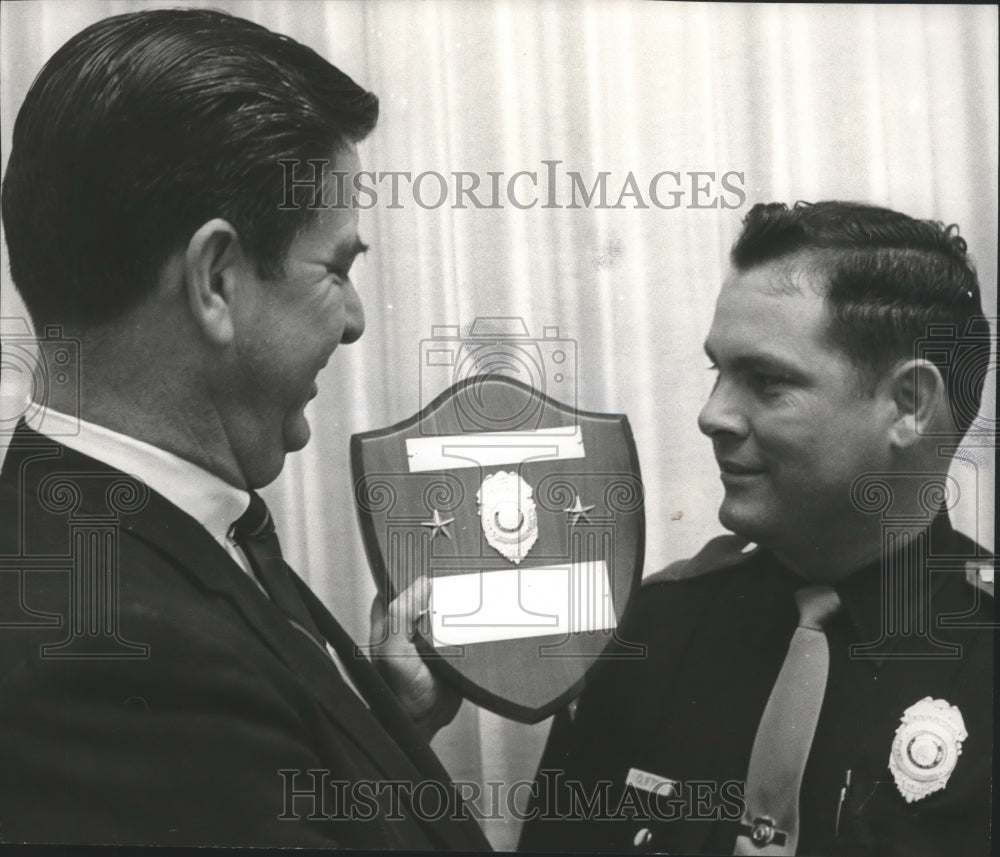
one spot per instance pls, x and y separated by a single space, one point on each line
439 524
578 511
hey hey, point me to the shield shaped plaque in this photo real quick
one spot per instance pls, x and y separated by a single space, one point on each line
527 515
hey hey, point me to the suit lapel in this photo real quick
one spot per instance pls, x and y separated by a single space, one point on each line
181 539
385 734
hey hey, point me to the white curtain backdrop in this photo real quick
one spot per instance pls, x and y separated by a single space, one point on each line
895 105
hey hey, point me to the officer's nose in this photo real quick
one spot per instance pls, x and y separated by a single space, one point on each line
355 312
723 412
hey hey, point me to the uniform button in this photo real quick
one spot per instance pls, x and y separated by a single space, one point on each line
642 837
763 832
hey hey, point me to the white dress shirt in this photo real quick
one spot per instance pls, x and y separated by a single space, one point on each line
211 501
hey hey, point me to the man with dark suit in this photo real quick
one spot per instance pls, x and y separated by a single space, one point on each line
166 678
822 681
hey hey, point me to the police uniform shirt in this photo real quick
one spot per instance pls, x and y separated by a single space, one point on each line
685 716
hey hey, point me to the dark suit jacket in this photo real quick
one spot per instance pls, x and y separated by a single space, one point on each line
149 692
688 711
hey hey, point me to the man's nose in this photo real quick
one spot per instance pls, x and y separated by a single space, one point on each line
354 325
723 412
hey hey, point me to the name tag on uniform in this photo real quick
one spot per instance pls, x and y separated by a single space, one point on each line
652 783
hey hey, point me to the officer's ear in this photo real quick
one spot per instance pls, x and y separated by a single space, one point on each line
920 402
213 267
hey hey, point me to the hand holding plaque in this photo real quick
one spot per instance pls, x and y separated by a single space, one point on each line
430 702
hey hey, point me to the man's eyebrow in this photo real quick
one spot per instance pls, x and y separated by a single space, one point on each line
770 361
756 361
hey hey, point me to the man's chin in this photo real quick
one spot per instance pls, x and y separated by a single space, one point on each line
745 522
296 432
268 458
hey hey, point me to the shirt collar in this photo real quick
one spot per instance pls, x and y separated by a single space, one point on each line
861 593
211 501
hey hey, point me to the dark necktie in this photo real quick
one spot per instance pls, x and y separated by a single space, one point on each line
785 734
254 532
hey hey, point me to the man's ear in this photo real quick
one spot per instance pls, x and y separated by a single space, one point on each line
213 262
921 402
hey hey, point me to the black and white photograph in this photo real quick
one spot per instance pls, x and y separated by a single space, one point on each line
498 426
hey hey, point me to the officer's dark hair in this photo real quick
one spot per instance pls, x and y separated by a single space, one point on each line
143 127
896 288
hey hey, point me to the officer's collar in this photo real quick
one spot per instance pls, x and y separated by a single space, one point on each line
870 597
867 605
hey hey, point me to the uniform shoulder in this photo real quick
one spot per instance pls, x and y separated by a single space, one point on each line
720 553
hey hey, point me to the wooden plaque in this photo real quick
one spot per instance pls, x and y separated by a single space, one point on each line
527 515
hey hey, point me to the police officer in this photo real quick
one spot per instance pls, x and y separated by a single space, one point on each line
821 681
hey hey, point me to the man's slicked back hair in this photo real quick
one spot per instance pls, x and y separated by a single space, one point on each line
896 287
144 126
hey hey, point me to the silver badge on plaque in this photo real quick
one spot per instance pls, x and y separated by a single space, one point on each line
507 513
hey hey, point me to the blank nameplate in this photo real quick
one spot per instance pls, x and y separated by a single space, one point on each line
511 604
488 448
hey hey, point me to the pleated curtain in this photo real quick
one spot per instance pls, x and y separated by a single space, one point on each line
895 105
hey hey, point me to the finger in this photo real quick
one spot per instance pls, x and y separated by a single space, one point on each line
424 616
410 606
399 608
410 601
377 620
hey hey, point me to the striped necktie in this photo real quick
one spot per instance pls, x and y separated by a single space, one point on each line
255 534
